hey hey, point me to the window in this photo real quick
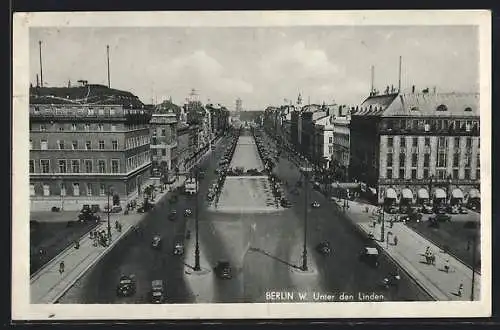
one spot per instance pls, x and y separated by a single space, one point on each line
427 141
74 145
73 127
330 139
88 145
441 160
102 190
402 142
456 158
101 111
426 173
468 142
455 173
478 160
61 144
45 165
401 173
75 166
101 127
467 174
456 142
62 166
414 174
414 159
414 142
478 174
390 142
61 128
46 189
330 150
467 160
32 166
427 158
76 189
43 128
32 190
101 164
88 165
164 151
389 173
442 107
101 145
89 189
402 159
115 166
113 128
31 144
389 160
441 174
112 111
43 144
87 127
442 142
62 189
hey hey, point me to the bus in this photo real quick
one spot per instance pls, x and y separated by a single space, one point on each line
190 186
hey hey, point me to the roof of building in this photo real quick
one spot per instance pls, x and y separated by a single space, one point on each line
163 118
88 94
420 105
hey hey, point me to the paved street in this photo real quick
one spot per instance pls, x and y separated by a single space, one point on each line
265 250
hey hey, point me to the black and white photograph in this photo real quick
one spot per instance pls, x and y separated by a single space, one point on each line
251 165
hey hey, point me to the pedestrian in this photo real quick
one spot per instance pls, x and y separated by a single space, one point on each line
447 265
395 240
61 267
460 289
468 245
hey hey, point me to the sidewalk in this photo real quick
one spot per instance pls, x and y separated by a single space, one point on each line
408 253
48 285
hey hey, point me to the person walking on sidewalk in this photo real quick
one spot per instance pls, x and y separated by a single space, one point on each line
395 240
460 289
61 267
447 265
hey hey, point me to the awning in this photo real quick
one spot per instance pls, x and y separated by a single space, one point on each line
391 193
406 193
474 193
457 193
423 193
439 193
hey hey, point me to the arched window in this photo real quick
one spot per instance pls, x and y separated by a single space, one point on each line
442 107
468 109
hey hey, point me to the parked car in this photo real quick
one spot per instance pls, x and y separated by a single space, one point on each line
441 218
173 215
427 209
126 286
157 291
286 203
370 256
463 210
86 214
315 204
223 269
188 212
392 209
415 216
453 209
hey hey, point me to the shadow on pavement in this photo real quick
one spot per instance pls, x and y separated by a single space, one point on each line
273 257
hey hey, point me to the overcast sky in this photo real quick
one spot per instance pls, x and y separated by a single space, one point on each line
262 66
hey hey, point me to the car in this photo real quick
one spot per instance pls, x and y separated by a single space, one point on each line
173 215
415 216
463 210
178 249
223 270
156 242
315 204
157 291
453 209
126 286
391 209
324 248
86 214
188 212
427 209
404 209
286 203
370 256
441 218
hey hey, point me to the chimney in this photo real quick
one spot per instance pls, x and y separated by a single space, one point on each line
37 81
413 89
107 55
41 68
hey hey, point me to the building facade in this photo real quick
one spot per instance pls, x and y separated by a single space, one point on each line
163 130
81 152
418 146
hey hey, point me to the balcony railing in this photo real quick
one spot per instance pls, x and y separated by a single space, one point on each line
428 181
473 131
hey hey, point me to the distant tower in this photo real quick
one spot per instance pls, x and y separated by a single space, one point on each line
193 95
239 106
299 100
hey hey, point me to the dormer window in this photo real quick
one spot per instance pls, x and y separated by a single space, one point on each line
468 109
442 107
414 109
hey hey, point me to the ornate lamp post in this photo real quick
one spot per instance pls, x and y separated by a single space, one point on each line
109 212
197 246
305 171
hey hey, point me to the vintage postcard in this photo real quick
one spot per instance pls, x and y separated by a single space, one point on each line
274 164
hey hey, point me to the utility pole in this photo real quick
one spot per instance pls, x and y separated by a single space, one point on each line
107 55
306 171
382 228
399 81
41 67
473 267
109 213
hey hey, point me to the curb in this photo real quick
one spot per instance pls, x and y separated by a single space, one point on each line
92 264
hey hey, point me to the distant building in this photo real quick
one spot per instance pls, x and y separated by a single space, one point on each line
86 142
163 128
417 147
239 105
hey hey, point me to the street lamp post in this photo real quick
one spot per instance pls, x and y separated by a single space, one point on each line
109 213
197 247
473 267
382 228
306 171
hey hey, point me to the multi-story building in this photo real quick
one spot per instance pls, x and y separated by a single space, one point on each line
187 146
84 144
417 147
163 128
